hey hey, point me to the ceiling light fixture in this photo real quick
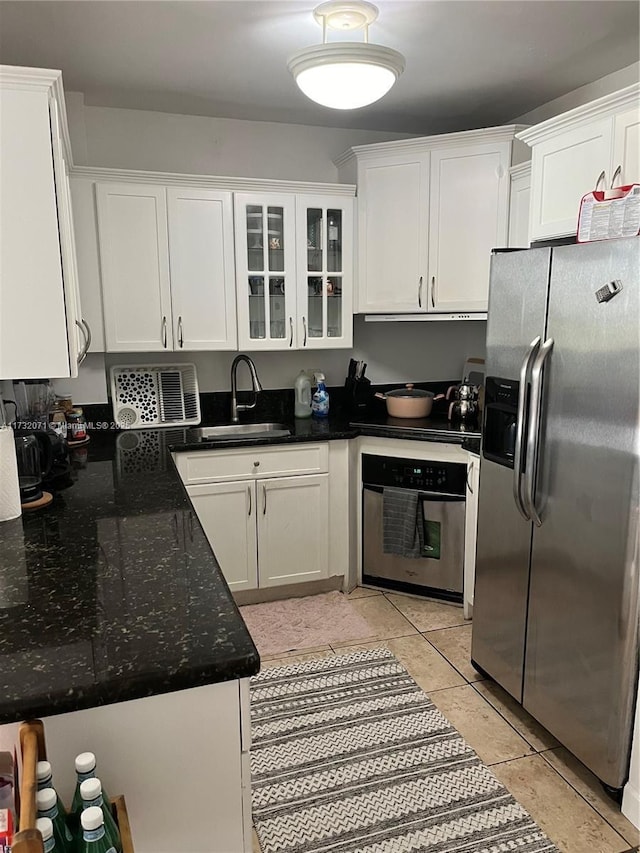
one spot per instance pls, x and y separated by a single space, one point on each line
346 75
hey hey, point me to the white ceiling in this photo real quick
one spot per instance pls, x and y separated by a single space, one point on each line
470 63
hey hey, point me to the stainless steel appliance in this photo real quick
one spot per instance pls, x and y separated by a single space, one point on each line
440 487
555 618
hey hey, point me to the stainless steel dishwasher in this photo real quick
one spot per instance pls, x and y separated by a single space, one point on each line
441 487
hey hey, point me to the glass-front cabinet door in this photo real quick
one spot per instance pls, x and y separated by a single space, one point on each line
325 262
265 271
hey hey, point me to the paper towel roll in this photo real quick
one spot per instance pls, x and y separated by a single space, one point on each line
9 489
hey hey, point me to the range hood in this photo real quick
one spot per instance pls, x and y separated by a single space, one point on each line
419 318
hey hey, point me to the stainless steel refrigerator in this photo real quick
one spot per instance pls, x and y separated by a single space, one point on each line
556 613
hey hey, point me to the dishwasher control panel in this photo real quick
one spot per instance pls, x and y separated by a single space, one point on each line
445 477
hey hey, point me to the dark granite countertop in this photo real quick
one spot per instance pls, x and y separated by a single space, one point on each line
113 593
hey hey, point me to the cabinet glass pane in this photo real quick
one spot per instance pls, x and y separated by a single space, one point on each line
277 308
334 306
255 238
315 302
275 222
314 239
256 307
334 240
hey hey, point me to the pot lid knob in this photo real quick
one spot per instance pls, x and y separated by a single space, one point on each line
409 386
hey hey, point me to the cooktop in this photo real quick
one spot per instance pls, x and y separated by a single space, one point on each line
441 427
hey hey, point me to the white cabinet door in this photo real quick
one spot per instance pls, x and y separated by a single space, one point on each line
565 167
202 272
519 204
227 513
626 146
265 234
468 216
134 257
77 334
393 209
85 229
324 237
293 525
33 324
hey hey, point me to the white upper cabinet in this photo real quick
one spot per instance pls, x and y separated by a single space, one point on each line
626 145
201 262
429 212
88 258
393 211
134 258
294 268
519 203
324 304
265 233
39 335
166 260
572 150
468 216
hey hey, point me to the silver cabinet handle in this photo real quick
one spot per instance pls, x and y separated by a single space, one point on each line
531 465
469 470
601 177
250 500
264 500
164 332
86 332
420 293
291 332
534 346
180 335
433 291
304 326
617 172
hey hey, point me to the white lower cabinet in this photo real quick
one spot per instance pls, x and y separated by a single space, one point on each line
269 525
293 521
227 514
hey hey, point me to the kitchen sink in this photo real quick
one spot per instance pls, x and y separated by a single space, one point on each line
238 431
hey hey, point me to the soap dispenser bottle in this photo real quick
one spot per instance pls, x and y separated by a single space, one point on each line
320 399
302 388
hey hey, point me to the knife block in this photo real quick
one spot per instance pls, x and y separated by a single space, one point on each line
358 394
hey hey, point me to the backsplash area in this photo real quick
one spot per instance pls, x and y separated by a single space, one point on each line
395 352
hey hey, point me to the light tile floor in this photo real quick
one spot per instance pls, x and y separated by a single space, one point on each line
433 643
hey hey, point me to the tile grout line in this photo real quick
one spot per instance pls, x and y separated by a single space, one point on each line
442 654
604 818
566 782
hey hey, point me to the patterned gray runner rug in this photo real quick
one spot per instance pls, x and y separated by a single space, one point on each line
349 755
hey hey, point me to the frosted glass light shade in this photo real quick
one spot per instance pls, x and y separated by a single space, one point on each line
346 75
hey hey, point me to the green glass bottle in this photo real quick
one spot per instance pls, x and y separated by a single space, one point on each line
94 838
44 779
45 827
47 805
85 769
91 793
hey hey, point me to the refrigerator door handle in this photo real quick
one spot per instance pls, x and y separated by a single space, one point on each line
534 346
531 466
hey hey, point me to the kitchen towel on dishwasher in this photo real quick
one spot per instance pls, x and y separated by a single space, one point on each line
402 529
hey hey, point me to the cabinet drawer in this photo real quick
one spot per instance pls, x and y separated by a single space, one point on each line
217 466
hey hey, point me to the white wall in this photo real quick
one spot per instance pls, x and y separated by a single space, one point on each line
578 97
138 139
394 352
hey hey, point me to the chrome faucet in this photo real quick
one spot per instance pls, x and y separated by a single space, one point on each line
257 387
